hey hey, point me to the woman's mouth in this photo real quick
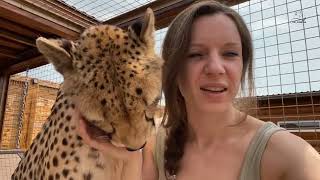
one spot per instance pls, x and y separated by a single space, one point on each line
213 89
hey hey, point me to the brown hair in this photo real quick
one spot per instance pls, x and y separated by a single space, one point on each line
176 44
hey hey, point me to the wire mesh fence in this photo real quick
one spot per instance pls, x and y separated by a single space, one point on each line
287 74
287 58
30 97
9 160
103 10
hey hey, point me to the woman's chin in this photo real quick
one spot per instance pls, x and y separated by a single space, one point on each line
216 107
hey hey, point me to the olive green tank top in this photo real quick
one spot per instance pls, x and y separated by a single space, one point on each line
251 165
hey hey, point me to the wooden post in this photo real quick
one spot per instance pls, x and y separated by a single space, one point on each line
4 81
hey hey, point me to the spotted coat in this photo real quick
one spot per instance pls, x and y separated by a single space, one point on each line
112 77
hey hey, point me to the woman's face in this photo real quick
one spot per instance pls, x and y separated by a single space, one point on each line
211 76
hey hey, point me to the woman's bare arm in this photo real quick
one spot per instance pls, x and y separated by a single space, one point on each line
303 161
149 168
132 168
293 157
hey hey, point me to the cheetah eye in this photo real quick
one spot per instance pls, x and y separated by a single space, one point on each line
156 100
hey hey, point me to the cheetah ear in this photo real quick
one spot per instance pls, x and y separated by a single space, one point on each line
57 52
144 30
148 28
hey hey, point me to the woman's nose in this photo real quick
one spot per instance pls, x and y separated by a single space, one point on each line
214 65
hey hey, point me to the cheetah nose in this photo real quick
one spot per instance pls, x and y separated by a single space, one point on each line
129 149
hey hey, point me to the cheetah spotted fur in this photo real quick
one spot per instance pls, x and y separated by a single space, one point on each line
112 78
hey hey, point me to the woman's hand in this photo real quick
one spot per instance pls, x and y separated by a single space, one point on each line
102 145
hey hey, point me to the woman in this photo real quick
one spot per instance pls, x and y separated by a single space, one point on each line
208 58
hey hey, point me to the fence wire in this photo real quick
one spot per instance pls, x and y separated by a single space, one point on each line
287 72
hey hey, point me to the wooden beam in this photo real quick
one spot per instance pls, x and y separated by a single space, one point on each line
4 81
16 37
291 95
162 10
8 52
33 17
315 142
18 28
27 64
28 54
12 44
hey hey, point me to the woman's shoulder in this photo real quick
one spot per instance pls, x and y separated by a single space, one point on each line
282 143
288 145
286 155
290 154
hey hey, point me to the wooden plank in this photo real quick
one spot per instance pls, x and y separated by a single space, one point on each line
8 52
308 135
3 57
17 28
7 62
12 44
25 55
16 37
27 64
28 19
289 96
4 81
315 142
28 54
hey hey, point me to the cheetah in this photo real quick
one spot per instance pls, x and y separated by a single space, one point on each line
112 77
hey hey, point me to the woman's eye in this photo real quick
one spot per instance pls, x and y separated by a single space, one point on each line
194 55
231 54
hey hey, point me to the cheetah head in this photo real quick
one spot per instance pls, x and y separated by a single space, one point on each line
113 77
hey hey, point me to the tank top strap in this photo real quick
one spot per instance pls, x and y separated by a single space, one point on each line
251 164
159 152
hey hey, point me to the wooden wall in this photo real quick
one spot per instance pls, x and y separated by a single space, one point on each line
39 100
292 107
